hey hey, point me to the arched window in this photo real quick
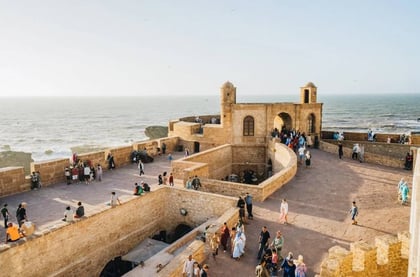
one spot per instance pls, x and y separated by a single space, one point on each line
311 124
248 126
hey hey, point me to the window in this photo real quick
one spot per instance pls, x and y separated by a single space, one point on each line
249 126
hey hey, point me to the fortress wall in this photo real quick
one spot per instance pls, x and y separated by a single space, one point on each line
201 206
95 158
171 143
121 155
51 171
214 163
12 180
283 156
284 169
84 247
392 155
380 137
150 146
387 258
231 188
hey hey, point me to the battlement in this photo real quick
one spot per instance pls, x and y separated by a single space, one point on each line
387 257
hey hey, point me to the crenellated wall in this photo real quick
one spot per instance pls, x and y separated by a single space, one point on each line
85 246
388 257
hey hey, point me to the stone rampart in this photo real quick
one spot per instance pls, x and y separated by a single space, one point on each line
86 246
386 154
215 163
14 180
218 162
387 258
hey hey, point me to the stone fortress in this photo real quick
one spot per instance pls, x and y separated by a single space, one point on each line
237 140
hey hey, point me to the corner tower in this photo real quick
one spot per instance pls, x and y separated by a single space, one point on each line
308 94
227 99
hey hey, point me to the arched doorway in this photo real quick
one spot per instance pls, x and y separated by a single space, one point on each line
283 121
311 124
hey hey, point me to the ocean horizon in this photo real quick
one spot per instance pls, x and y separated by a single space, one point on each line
48 127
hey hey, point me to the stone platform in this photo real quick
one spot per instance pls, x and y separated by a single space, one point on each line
319 201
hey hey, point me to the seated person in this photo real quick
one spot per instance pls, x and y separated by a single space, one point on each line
145 186
68 215
27 228
12 233
138 190
80 212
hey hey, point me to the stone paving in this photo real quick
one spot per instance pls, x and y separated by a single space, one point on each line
319 200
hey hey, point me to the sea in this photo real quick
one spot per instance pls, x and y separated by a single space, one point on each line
50 127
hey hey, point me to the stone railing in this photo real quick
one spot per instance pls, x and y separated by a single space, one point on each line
387 258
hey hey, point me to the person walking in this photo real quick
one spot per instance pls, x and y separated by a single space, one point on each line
404 193
288 266
300 267
263 241
354 211
248 201
308 157
99 172
21 213
171 180
141 167
340 150
188 268
5 213
225 236
214 244
284 211
277 243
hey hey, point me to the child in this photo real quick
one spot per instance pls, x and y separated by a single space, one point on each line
354 212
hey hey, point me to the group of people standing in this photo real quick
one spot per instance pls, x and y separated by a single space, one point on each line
83 172
23 228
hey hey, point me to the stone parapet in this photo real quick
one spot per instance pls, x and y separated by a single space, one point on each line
385 258
87 245
14 180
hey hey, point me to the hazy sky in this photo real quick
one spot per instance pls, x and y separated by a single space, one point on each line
100 47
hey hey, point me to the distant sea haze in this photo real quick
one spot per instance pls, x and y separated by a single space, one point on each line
49 127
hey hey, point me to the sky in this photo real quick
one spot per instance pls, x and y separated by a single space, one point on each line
139 48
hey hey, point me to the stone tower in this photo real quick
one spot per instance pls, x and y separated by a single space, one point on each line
308 94
227 99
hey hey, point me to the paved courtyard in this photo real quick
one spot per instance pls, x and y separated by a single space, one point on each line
319 200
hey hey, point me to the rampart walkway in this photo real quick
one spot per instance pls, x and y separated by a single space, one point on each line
319 200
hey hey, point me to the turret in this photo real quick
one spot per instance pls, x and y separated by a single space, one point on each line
308 94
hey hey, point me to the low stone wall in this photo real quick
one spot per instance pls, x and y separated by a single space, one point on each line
392 155
363 137
84 247
387 258
14 180
285 169
214 164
